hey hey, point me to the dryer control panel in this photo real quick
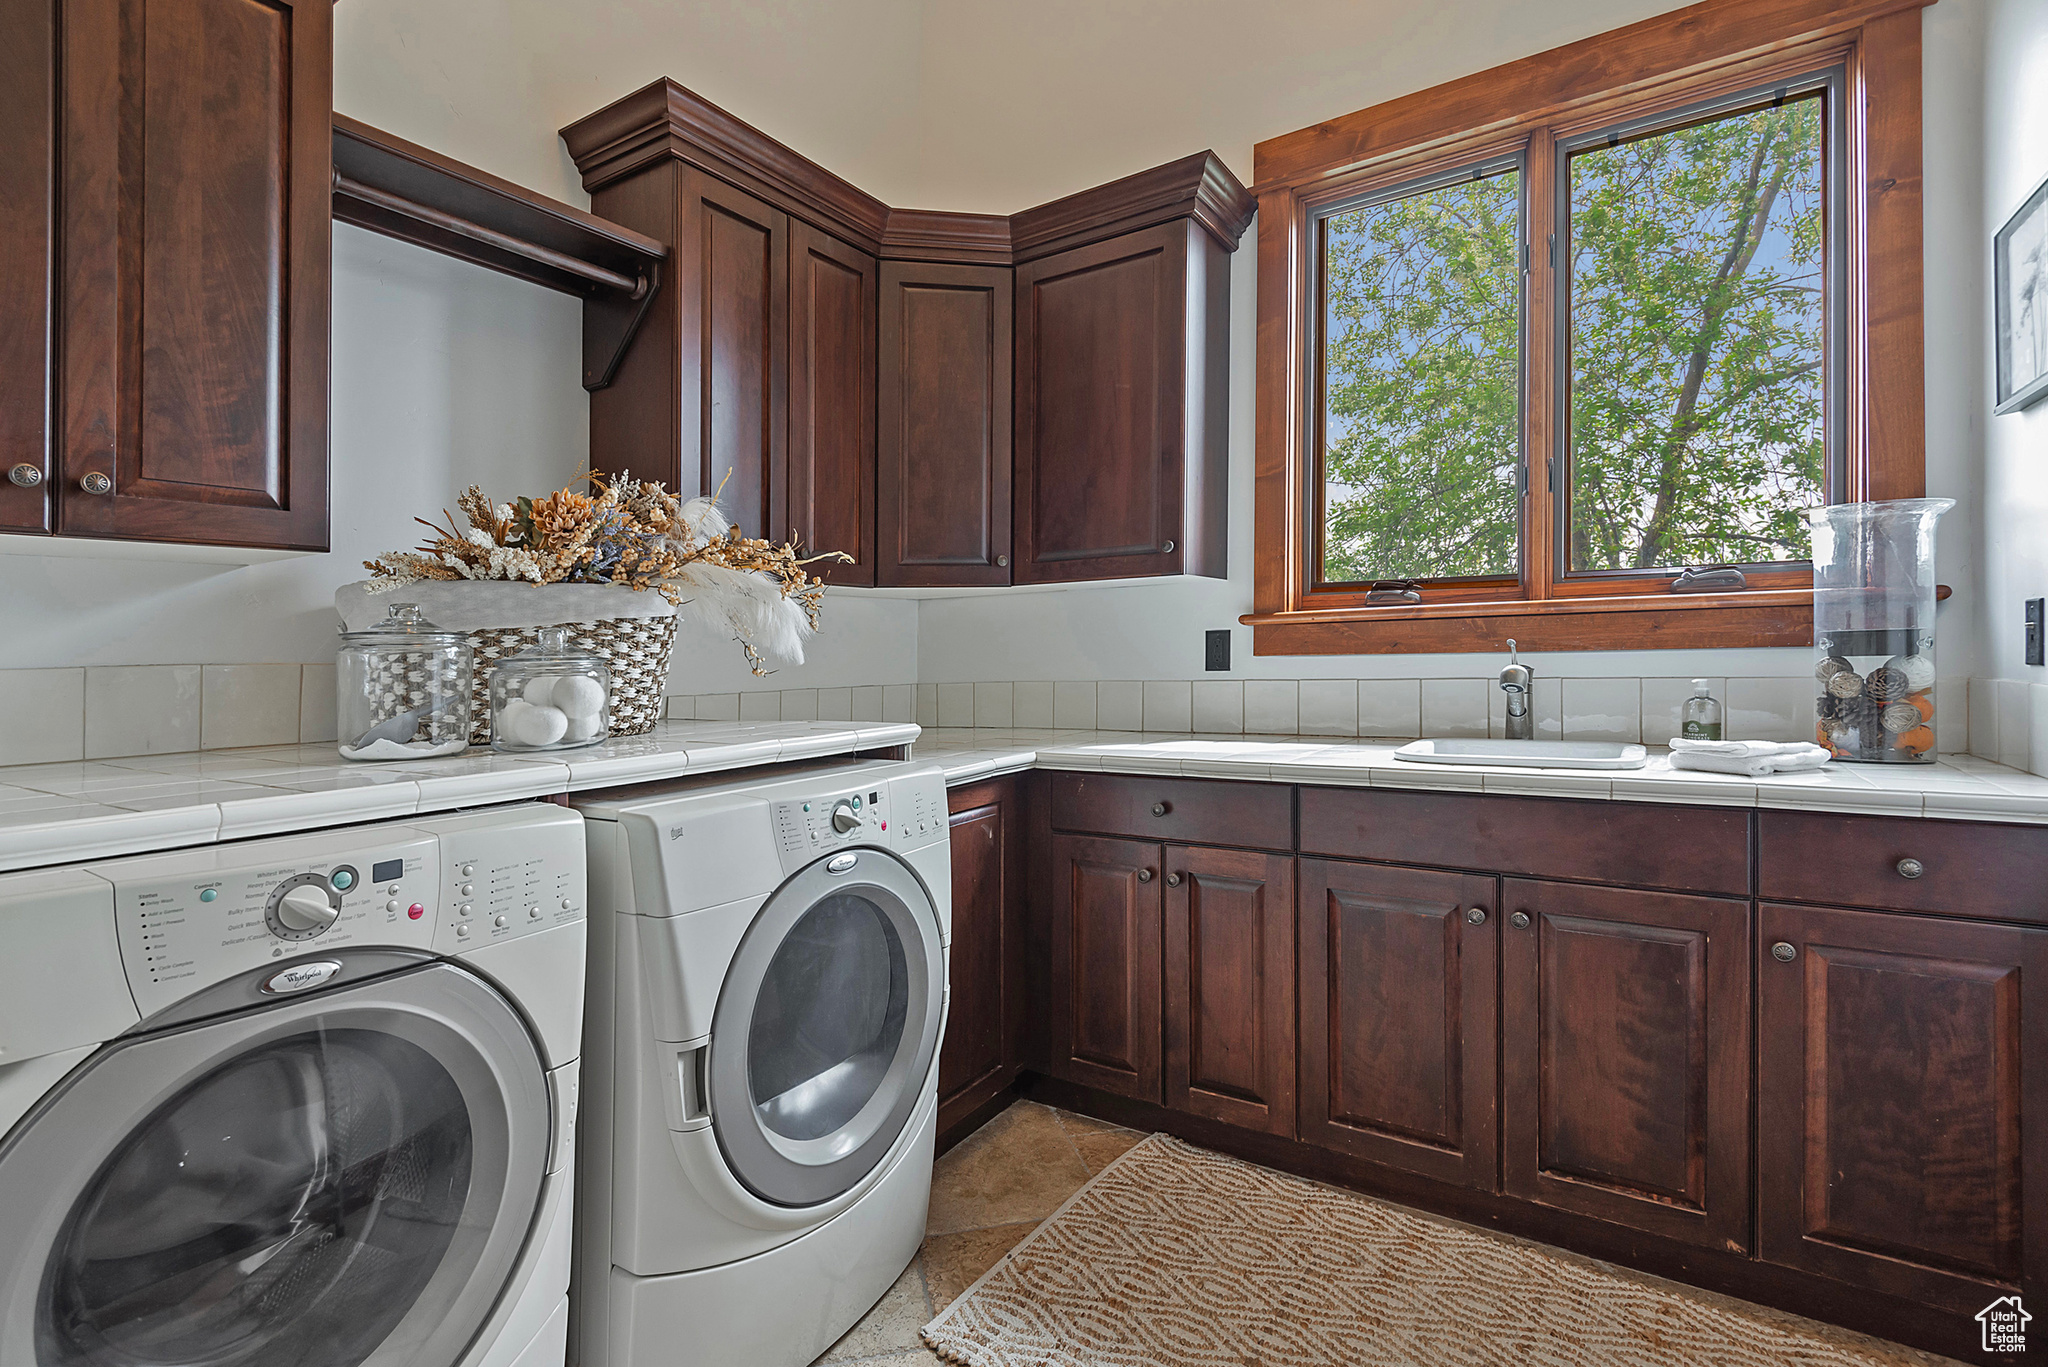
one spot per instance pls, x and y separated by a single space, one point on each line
810 826
190 919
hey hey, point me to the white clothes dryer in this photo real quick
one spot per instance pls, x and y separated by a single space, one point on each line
767 995
303 1100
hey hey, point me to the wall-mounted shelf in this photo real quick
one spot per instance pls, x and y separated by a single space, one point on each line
406 191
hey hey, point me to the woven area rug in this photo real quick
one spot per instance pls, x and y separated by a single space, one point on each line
1177 1257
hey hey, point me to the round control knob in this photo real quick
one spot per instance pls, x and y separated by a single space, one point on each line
306 911
844 818
467 890
499 922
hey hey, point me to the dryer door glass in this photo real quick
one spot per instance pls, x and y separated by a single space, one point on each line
829 1020
343 1180
827 1028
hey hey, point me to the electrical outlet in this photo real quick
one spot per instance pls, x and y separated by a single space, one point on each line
1216 649
2034 648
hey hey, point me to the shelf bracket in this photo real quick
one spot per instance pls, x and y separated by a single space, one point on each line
610 322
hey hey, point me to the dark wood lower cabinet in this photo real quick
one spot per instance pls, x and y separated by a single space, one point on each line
1229 1024
1903 1125
1106 915
1625 1057
1400 1018
983 1047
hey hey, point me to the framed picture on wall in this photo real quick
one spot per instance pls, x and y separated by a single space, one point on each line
2019 256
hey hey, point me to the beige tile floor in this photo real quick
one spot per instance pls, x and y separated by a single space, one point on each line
988 1192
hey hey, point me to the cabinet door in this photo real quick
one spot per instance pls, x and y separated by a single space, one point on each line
1230 986
942 513
1121 364
982 1048
197 155
1903 1115
831 485
1400 1018
1625 1057
28 202
1106 964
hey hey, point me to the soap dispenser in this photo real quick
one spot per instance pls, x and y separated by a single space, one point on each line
1702 719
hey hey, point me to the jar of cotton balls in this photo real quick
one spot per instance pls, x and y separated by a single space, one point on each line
549 697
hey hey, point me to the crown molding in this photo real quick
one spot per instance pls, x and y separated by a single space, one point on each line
664 120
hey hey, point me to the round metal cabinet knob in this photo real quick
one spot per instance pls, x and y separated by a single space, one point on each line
1160 809
1520 920
27 476
1783 952
306 909
1173 880
1144 875
1910 868
1475 916
1002 561
1167 549
96 483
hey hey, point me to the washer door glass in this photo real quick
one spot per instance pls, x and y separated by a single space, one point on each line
826 1028
830 1018
288 1207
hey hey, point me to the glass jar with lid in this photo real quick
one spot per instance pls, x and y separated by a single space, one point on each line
402 689
550 697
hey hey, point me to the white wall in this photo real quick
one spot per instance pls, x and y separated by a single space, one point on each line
2015 502
1023 106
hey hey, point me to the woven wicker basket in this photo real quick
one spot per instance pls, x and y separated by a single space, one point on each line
635 649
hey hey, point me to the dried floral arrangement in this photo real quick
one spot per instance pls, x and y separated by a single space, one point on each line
634 534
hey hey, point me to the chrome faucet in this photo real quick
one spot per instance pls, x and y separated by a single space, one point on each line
1515 679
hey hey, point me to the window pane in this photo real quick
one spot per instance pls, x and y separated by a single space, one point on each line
1698 324
1422 306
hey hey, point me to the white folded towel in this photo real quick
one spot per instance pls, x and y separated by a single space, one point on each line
1749 758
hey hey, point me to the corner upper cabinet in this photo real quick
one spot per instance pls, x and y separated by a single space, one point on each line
1122 380
170 382
943 510
831 480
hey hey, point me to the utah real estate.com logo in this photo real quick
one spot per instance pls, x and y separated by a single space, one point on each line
2005 1325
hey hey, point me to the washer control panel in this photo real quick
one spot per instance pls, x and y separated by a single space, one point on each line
808 827
443 884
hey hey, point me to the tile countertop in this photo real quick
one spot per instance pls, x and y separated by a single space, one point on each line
1960 787
58 813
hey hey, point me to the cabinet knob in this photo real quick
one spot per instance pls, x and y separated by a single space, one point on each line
96 483
1475 916
1910 868
26 475
1520 920
1144 875
1167 549
1160 809
1173 880
1002 561
1783 952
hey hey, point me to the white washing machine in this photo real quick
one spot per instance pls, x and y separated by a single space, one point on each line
306 1100
767 993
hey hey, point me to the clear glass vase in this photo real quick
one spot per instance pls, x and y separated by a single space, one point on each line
550 697
402 689
1873 629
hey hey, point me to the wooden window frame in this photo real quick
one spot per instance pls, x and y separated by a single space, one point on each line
1667 62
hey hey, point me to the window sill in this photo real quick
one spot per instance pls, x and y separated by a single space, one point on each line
1771 617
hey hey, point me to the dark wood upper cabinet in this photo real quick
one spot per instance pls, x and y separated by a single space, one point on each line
1229 977
1106 962
1122 405
943 481
187 195
832 334
1400 1015
1625 1057
28 258
1902 1135
1043 396
983 1048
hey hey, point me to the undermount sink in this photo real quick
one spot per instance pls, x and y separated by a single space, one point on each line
1528 754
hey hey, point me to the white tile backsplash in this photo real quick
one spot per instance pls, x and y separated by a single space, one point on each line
1119 706
869 701
317 703
2037 728
1664 708
799 704
1031 706
45 711
927 705
899 703
1329 707
1603 709
835 704
249 705
1984 718
1272 707
956 704
994 705
760 707
1390 707
1769 709
149 709
1219 705
1169 705
718 707
2015 730
1454 708
1073 705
